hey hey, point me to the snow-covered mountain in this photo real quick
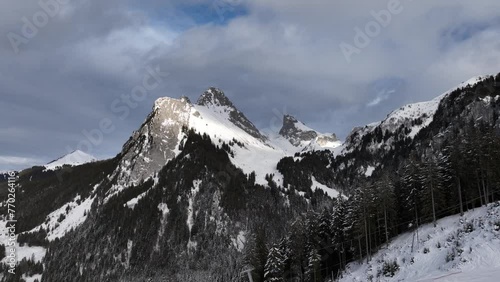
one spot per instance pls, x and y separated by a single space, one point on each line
76 157
411 117
161 137
305 138
399 127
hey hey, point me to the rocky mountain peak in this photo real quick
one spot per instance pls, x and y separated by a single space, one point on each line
156 141
214 97
299 135
289 118
166 103
296 131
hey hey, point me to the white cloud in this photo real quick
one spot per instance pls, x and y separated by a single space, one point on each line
382 96
14 162
281 53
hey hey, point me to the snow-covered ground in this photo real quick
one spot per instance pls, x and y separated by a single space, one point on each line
332 193
67 217
22 252
33 278
369 171
459 249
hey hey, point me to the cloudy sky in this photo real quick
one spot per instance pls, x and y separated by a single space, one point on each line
333 64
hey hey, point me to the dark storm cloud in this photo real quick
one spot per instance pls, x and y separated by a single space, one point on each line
270 57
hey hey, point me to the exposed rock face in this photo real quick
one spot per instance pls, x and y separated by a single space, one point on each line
158 139
296 132
324 140
215 98
156 142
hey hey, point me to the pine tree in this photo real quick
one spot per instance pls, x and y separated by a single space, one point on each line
297 248
256 256
342 230
387 201
274 269
285 249
412 189
324 225
313 273
446 195
430 180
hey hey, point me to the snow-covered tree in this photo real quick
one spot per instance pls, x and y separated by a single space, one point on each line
274 269
313 272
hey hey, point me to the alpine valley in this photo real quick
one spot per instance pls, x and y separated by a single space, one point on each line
199 193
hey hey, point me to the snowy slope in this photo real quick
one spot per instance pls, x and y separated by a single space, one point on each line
67 217
423 110
459 249
332 193
323 142
74 158
254 154
404 116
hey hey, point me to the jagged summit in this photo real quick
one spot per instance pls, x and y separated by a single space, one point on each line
156 141
217 101
300 135
296 131
165 102
214 97
159 138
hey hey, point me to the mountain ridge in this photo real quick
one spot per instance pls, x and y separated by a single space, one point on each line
76 157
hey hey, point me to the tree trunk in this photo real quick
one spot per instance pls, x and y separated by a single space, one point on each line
485 190
433 205
460 196
366 237
479 188
386 229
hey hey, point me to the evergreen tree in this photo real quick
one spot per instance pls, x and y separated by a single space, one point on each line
387 203
274 269
313 273
256 256
447 195
412 190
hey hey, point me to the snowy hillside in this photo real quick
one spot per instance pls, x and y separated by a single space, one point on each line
251 152
459 249
74 158
423 110
414 117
